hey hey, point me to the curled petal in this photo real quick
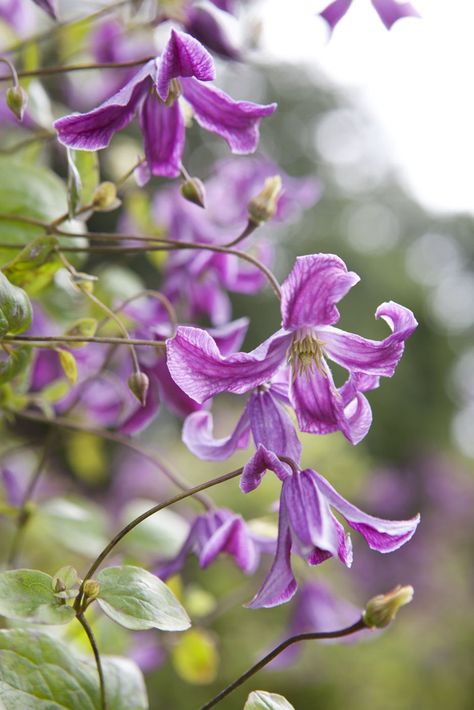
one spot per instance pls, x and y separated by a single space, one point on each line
94 130
313 287
163 135
279 585
272 427
197 435
254 470
183 56
381 535
197 366
390 11
233 538
373 357
236 121
335 11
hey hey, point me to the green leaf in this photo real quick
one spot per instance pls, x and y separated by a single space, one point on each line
137 599
84 326
195 657
65 582
68 364
39 672
159 535
15 308
34 267
261 700
77 525
29 595
83 178
16 361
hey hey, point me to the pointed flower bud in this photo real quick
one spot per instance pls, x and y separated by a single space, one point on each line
17 101
105 197
193 190
263 206
138 384
382 609
91 589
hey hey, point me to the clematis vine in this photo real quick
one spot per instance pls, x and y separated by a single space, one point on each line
389 11
154 93
308 306
307 526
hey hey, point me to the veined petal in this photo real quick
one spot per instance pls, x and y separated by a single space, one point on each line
390 11
235 121
373 357
197 366
233 538
313 287
94 130
381 535
163 135
272 427
183 56
335 11
254 470
317 403
197 435
279 585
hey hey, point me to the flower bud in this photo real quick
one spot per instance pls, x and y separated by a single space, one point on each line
91 589
105 197
138 384
263 206
382 609
194 191
17 101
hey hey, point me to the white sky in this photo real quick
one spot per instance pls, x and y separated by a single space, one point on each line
416 80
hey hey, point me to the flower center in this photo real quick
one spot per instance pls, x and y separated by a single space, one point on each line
174 92
306 355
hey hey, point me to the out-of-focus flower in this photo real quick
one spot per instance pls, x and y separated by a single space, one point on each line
15 15
389 11
211 22
49 6
154 93
308 305
308 526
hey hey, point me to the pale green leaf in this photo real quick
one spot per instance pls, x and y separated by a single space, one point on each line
28 594
137 599
34 267
68 364
159 535
261 700
15 308
78 526
12 362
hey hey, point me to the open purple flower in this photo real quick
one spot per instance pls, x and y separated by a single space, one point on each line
308 527
389 11
212 533
308 304
154 94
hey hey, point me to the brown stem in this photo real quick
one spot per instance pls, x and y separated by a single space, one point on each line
67 68
358 626
95 650
32 339
250 227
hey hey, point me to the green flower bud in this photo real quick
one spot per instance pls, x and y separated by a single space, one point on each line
193 190
382 609
17 101
91 589
138 384
105 197
263 206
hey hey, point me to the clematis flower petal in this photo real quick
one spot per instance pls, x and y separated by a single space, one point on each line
163 136
371 356
390 11
335 11
313 287
48 6
183 56
317 404
94 130
235 121
255 468
197 366
279 585
381 535
229 337
272 427
197 435
234 538
211 26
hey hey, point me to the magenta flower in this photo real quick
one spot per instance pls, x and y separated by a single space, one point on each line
389 11
308 527
212 533
154 94
308 304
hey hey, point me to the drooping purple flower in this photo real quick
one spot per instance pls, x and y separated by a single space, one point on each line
308 527
309 297
213 25
153 93
389 11
212 533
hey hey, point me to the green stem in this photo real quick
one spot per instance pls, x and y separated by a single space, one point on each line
58 339
318 636
95 650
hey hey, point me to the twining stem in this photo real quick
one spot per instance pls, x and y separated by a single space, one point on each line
53 339
340 633
250 227
95 650
148 513
13 72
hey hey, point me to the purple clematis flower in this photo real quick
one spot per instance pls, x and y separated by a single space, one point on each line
211 534
308 304
308 526
389 11
154 93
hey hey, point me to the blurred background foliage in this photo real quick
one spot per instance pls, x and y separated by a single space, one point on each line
415 457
